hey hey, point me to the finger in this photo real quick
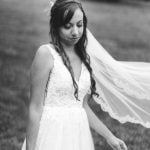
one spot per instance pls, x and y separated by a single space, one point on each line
117 147
123 146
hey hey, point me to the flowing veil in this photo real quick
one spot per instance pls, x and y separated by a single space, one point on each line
124 87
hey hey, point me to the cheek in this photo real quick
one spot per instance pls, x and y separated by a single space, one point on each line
81 31
64 33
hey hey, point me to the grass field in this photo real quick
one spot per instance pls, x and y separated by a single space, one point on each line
124 30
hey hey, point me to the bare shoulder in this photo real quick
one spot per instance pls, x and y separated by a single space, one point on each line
43 58
39 72
43 53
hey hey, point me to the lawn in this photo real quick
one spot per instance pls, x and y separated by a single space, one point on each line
124 31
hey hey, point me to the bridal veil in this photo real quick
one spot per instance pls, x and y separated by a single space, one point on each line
124 87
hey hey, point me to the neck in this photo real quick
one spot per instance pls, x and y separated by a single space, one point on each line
69 49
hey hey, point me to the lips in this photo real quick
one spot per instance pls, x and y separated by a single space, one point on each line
75 38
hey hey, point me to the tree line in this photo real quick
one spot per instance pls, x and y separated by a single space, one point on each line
123 0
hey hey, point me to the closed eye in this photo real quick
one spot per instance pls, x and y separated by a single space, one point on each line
80 25
67 26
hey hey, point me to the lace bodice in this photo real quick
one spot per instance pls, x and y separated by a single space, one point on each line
60 89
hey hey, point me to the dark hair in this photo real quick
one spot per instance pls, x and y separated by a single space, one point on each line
61 13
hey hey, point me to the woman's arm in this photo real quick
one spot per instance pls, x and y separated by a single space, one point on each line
95 122
40 68
101 129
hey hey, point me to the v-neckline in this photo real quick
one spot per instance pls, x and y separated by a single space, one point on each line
81 70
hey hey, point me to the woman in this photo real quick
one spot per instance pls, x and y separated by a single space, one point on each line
62 83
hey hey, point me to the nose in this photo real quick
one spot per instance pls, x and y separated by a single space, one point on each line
74 31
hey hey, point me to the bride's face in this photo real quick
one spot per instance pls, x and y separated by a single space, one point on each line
71 32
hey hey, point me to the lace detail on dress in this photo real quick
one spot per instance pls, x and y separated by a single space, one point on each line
60 89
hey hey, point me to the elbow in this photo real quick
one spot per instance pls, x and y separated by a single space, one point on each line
35 111
85 102
85 105
36 104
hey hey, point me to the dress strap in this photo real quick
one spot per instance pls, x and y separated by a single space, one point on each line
54 53
55 58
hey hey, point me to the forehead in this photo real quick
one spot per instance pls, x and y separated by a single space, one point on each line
78 16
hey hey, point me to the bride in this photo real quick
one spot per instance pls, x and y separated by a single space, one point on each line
73 69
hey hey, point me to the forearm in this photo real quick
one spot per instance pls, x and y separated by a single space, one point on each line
97 124
33 127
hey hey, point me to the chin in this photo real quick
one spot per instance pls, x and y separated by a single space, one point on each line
72 43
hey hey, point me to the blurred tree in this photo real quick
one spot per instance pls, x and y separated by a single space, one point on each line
115 1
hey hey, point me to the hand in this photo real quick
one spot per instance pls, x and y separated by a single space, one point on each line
116 143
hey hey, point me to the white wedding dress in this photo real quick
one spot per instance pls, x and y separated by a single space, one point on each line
64 124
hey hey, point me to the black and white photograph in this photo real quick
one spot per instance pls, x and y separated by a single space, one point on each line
75 75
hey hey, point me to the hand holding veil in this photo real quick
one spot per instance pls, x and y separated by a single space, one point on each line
124 87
